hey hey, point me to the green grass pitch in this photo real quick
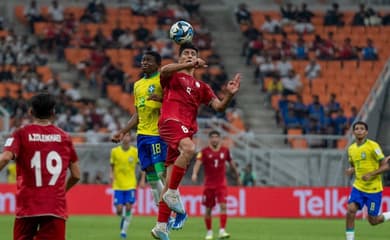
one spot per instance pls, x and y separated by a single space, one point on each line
107 228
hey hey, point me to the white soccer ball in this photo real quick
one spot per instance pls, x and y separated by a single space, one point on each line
181 32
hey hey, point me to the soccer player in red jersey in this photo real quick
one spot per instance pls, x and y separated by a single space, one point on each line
43 153
183 95
214 158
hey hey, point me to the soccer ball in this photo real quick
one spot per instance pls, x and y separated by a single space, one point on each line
181 32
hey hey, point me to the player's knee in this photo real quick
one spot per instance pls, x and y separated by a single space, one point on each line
188 149
351 209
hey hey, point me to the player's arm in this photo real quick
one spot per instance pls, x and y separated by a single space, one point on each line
351 170
232 88
167 70
117 137
74 175
5 157
196 168
384 167
142 180
233 166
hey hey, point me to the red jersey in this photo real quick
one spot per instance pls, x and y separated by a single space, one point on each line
214 163
43 155
183 95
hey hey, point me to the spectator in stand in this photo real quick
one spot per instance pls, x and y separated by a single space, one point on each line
7 56
302 26
300 50
314 128
273 49
248 177
86 41
154 6
347 51
6 74
312 71
32 14
283 67
165 15
270 25
160 34
291 83
142 33
334 17
116 32
288 13
181 13
340 122
99 40
250 34
203 39
56 12
304 14
70 23
352 118
300 109
372 18
369 52
275 87
138 57
167 51
214 59
316 109
192 7
243 15
74 92
266 68
140 8
327 49
317 43
333 105
255 46
127 39
358 19
290 120
62 41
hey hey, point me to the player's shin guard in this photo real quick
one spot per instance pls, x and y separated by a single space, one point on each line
126 222
223 220
176 177
160 170
156 185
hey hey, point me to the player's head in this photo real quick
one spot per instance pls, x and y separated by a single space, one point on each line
360 130
187 52
42 106
126 139
214 138
150 62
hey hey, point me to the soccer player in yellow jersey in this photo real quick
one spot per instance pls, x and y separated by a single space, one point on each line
124 160
148 97
366 158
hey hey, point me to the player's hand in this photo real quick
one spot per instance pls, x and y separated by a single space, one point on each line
234 85
155 97
194 178
367 176
200 63
349 171
117 137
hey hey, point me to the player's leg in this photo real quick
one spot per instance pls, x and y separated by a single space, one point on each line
172 197
160 230
373 204
119 202
130 197
51 228
159 156
221 198
355 203
146 151
209 202
25 228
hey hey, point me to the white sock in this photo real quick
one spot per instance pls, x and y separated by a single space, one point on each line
162 225
350 235
222 230
210 232
157 187
386 216
172 191
126 222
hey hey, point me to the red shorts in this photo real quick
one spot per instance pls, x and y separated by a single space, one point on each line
172 132
42 228
211 196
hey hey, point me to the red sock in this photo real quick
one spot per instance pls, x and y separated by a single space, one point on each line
163 212
207 220
223 220
176 176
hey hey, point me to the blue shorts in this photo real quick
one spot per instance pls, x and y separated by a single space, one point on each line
122 197
151 150
371 200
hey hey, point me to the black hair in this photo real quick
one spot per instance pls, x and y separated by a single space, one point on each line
360 123
187 45
156 56
214 132
42 105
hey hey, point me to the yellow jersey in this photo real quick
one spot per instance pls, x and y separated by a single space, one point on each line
366 158
124 163
148 110
11 172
